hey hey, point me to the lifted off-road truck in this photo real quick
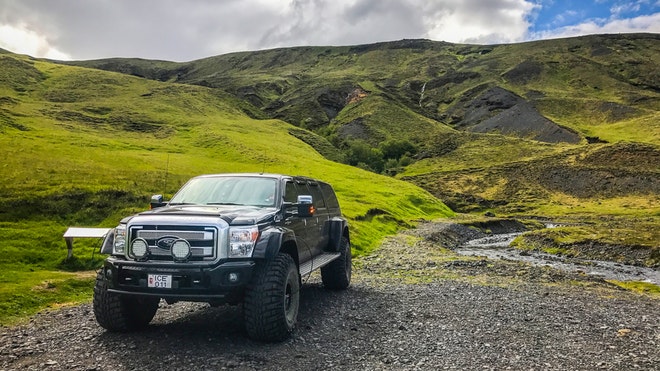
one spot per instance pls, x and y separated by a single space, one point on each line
225 239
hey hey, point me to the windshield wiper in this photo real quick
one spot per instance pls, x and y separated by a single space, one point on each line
223 203
181 203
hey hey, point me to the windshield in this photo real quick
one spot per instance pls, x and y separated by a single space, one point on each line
249 191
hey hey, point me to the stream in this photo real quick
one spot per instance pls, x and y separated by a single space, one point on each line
497 247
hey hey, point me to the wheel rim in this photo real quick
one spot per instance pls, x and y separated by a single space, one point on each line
349 266
287 298
290 302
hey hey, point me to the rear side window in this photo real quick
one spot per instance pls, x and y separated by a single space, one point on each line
329 195
317 196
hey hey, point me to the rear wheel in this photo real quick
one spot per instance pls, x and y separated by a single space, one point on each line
337 275
115 312
272 299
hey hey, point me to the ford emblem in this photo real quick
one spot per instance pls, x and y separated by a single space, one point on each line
166 242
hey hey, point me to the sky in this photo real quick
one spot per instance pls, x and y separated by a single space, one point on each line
178 30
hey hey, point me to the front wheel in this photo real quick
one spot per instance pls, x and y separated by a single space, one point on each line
115 312
272 299
337 275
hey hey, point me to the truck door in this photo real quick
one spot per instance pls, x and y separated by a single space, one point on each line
320 221
296 223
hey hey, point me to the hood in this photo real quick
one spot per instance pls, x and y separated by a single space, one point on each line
232 214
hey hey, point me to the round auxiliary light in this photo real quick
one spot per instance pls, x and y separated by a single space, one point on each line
139 248
181 250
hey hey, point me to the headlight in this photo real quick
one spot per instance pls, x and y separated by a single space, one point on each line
120 240
242 241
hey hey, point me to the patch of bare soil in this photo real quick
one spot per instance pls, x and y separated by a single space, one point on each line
596 171
637 156
356 129
524 72
501 111
614 112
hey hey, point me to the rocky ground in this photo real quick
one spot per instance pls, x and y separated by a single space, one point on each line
413 306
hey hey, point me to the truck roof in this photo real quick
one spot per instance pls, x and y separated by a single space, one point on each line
260 175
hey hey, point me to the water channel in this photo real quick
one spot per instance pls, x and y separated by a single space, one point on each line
497 247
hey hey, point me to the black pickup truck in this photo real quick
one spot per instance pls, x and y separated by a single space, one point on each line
225 239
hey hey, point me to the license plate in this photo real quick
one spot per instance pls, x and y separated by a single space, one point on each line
161 281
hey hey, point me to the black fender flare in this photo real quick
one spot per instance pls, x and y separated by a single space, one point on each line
336 227
270 241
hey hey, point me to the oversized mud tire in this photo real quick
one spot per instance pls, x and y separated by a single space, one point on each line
337 275
272 299
122 313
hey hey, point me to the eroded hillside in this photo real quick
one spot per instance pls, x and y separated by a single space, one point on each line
576 83
565 128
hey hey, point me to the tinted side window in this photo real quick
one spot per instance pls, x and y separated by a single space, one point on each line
319 203
290 192
330 197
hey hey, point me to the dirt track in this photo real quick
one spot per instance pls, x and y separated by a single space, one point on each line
411 306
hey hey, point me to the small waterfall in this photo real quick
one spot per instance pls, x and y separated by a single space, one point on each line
421 96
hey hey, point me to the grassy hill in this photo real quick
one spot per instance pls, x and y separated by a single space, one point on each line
567 130
87 147
517 129
592 84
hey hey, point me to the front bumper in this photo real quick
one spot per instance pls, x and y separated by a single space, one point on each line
207 283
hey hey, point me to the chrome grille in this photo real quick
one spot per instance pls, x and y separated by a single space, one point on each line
202 240
181 234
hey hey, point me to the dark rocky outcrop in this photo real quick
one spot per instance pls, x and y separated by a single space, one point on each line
501 111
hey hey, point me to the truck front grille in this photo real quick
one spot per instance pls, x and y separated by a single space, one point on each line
202 239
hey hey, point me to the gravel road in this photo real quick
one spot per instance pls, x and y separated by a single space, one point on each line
412 306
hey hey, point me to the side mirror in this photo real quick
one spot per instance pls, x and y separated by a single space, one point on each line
305 207
157 201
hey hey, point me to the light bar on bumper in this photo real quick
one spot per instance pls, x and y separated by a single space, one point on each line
181 250
139 249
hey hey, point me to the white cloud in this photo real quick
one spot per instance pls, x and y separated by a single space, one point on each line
648 23
168 29
344 22
476 21
619 9
22 40
178 31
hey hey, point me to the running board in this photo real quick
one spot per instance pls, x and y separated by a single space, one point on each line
318 262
